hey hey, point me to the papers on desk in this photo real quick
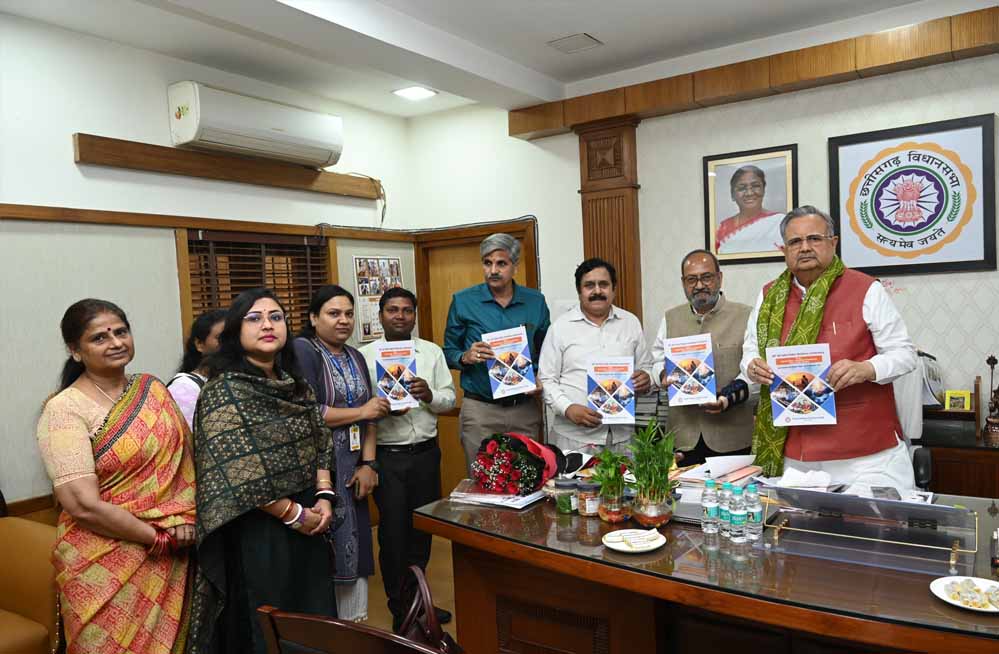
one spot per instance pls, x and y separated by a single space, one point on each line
799 394
510 372
810 479
469 492
737 469
690 370
610 391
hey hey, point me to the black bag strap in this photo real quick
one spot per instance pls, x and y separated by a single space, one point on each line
195 378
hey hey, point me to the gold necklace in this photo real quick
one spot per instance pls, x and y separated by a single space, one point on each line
101 390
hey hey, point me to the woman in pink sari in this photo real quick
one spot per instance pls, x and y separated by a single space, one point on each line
118 452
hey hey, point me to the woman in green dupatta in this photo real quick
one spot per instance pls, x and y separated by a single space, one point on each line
263 456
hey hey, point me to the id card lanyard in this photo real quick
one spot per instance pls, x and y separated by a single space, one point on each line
355 430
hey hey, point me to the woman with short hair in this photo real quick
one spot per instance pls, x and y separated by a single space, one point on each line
118 452
266 459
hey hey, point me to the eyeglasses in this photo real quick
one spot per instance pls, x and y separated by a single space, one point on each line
707 279
258 317
814 240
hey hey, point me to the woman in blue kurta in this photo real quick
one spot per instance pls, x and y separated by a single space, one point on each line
340 378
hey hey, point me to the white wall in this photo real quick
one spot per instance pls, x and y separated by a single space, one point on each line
952 316
48 266
464 168
55 82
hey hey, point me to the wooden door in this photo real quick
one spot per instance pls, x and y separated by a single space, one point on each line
445 265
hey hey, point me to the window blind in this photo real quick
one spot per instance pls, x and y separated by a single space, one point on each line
224 264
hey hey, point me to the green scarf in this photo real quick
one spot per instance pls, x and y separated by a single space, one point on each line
768 440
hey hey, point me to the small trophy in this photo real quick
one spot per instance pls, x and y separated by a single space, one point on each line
991 433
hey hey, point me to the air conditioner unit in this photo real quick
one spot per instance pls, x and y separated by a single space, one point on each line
205 117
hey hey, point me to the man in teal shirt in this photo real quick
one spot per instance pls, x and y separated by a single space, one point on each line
499 303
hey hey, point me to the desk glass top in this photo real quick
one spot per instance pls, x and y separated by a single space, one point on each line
850 589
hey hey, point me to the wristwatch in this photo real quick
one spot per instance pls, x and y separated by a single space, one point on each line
373 464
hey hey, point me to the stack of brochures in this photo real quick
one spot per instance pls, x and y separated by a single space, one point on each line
469 492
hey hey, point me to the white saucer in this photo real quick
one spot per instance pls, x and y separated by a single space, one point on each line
937 588
633 540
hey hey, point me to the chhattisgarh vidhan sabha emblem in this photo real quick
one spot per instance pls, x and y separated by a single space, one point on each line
911 200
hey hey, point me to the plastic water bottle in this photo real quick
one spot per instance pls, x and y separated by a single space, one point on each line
724 504
737 517
709 507
754 514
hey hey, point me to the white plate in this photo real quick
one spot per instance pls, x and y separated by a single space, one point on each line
619 541
937 588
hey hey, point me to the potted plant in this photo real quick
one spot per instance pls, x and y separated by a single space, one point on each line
651 461
609 473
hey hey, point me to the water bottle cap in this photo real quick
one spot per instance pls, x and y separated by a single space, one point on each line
751 488
710 483
737 490
727 485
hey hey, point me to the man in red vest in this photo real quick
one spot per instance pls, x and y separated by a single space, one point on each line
818 300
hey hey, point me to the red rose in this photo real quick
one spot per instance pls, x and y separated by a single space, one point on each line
516 474
506 468
484 460
500 479
491 447
511 488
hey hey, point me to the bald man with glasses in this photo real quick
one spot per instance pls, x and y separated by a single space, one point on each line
726 425
819 300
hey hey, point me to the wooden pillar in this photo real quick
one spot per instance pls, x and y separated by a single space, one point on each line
608 171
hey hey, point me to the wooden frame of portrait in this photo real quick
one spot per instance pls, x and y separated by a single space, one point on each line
785 157
863 197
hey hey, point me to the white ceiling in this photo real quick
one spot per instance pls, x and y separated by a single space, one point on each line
634 32
487 51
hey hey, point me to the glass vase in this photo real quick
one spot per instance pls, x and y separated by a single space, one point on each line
651 513
614 509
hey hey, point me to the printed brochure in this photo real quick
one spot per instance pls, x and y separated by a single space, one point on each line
799 393
610 391
395 369
510 372
690 370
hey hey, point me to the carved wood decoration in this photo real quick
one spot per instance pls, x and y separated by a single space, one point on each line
525 627
608 168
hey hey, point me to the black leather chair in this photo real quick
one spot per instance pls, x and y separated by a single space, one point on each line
296 633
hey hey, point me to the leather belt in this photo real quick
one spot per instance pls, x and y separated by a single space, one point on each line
513 400
409 449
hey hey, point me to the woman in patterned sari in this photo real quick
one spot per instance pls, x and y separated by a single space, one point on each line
118 452
339 375
264 459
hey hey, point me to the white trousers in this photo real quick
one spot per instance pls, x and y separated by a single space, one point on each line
891 467
352 600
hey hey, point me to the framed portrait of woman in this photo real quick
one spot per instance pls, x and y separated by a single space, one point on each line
746 194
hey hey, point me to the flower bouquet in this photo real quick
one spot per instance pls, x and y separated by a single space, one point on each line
515 464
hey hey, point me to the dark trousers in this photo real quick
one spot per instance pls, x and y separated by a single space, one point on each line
406 481
701 451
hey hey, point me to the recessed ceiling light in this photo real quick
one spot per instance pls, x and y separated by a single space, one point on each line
415 93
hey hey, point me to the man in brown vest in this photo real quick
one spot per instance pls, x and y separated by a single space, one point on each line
818 300
726 425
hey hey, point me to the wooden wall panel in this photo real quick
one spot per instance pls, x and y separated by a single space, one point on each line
975 33
184 282
905 47
611 232
808 67
593 107
661 97
540 120
116 153
742 81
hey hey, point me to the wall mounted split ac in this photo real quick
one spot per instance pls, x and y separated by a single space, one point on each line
205 117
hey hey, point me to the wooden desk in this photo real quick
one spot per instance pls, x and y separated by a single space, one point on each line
534 581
